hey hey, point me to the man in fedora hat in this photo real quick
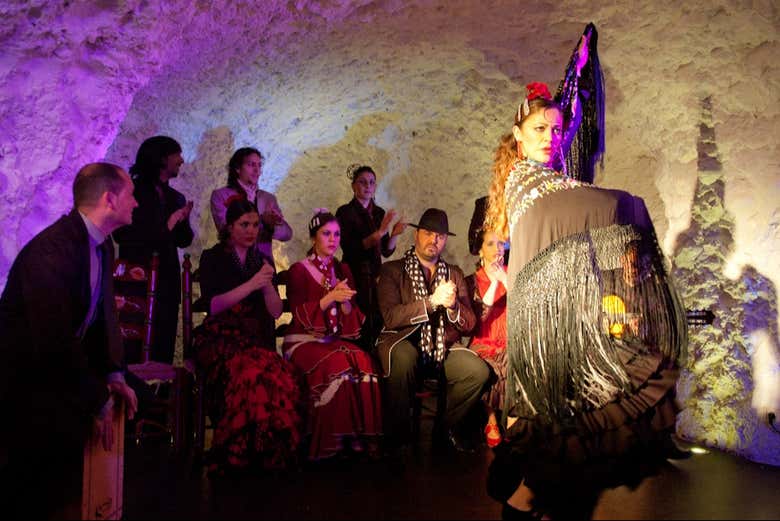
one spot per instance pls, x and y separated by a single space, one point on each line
426 309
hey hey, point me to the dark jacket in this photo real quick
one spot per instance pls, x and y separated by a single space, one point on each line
51 380
402 314
356 224
149 233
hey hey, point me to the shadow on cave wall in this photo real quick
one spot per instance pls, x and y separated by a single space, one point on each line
206 173
318 179
407 180
721 377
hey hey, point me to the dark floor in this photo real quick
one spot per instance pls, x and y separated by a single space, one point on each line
432 485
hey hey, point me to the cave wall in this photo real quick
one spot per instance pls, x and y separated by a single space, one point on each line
422 91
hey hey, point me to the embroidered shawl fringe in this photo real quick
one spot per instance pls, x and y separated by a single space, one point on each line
563 358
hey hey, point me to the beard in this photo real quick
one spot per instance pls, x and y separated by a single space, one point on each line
425 255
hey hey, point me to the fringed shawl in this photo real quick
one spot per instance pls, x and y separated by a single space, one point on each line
581 300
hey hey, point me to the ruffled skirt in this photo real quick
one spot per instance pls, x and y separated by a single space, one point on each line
617 444
343 397
252 396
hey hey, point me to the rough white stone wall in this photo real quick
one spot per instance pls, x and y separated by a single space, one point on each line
421 91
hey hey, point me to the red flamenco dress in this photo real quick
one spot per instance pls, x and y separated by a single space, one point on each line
342 382
252 393
489 338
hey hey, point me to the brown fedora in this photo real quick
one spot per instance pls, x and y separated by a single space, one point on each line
434 220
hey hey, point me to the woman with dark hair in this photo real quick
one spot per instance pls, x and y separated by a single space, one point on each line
244 170
487 287
368 234
160 224
251 392
342 382
590 401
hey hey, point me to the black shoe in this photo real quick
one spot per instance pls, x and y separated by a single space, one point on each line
459 443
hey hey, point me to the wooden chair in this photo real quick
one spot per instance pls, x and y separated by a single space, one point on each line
189 278
198 391
135 289
282 278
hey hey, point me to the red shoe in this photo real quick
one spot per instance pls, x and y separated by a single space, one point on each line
492 435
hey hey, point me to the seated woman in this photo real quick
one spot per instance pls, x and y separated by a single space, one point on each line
368 235
488 289
251 392
342 383
244 169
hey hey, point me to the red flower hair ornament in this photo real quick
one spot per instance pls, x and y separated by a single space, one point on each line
534 90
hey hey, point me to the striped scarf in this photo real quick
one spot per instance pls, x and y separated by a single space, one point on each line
432 351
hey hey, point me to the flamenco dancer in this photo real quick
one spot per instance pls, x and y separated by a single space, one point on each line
595 328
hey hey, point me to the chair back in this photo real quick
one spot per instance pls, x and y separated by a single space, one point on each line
186 305
135 293
135 290
282 279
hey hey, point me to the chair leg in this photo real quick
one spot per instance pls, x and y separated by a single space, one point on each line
199 434
178 421
441 402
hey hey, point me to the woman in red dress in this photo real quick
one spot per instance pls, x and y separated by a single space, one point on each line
342 383
488 289
251 392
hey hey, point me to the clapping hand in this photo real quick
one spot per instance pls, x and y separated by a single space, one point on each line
342 293
495 270
384 227
445 295
398 227
271 217
179 215
264 277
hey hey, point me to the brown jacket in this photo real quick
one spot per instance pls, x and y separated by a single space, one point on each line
402 314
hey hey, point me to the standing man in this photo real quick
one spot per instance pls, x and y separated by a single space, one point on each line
426 308
244 170
160 224
61 347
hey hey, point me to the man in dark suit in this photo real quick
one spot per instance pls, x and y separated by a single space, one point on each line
61 347
425 305
160 224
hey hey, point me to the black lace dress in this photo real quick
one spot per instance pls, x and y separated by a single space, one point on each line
252 393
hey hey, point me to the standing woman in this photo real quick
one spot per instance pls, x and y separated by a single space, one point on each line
251 392
368 234
244 169
592 401
342 382
487 287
